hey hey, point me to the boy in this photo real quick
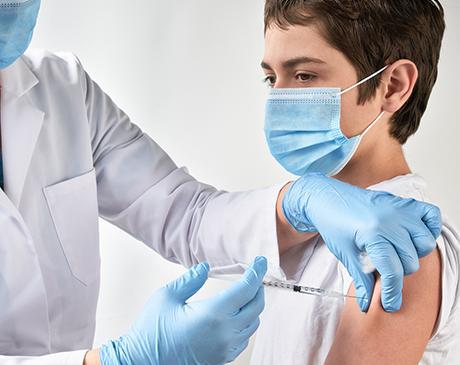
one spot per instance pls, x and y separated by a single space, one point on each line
354 131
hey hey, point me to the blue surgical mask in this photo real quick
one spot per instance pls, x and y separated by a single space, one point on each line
302 128
17 23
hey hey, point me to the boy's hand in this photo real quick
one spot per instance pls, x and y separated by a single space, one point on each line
393 231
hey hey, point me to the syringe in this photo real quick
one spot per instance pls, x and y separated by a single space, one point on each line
309 290
293 287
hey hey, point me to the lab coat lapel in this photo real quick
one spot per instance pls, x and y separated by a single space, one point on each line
21 126
24 317
24 321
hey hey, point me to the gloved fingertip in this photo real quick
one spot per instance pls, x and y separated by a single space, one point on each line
364 304
189 283
256 272
203 267
200 271
436 230
363 299
433 220
392 306
261 260
260 266
392 309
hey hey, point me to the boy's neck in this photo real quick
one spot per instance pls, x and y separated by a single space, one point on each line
375 166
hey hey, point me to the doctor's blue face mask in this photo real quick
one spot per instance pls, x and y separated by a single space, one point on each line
17 23
302 128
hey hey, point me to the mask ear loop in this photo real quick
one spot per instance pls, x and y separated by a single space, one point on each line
360 83
364 80
372 124
356 146
369 127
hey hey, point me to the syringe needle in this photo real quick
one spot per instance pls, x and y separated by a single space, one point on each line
332 293
309 290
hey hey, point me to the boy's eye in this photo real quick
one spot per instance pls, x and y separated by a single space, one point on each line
270 80
305 77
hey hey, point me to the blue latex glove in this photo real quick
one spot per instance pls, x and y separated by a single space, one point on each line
213 331
393 231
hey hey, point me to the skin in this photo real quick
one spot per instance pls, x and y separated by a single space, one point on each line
92 358
301 57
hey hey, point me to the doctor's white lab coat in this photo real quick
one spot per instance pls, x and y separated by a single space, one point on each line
71 155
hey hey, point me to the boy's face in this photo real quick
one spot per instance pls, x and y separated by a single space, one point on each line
300 57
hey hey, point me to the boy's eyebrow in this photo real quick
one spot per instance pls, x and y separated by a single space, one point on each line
293 62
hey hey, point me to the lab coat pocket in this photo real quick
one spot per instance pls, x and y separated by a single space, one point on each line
74 210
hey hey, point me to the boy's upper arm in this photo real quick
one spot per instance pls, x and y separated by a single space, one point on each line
378 337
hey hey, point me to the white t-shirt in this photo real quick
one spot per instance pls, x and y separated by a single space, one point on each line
300 329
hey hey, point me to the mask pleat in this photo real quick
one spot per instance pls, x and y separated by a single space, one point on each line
301 159
283 142
299 117
329 163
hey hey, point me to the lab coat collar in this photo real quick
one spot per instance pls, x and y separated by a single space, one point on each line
21 124
17 79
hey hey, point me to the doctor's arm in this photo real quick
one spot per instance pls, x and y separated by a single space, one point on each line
142 191
396 338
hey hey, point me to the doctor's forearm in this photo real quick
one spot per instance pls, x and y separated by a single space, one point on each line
288 237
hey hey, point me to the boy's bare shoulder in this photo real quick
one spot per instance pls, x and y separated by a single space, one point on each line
392 338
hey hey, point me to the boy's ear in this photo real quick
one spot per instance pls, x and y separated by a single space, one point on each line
399 81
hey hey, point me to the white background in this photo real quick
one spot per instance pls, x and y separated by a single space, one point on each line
187 72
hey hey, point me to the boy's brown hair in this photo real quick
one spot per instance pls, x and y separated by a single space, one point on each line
372 34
